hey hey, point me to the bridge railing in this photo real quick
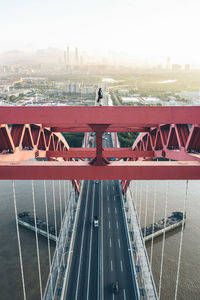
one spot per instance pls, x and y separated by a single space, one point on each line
138 249
60 259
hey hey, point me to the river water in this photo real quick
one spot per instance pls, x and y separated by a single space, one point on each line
189 280
10 275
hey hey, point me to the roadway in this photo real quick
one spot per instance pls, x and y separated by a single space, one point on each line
101 255
83 277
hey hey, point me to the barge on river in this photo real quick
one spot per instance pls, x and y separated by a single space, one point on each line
157 229
27 220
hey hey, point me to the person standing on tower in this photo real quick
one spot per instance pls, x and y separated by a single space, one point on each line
100 97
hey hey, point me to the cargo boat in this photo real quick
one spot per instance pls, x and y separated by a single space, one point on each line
27 220
157 229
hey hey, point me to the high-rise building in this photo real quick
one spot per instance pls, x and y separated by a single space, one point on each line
68 57
176 67
65 61
187 67
76 57
81 60
168 63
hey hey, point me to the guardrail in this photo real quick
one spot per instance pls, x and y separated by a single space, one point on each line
138 249
58 262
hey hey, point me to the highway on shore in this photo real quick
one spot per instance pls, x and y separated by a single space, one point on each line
100 254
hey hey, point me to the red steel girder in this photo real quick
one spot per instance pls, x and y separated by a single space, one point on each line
20 155
114 171
167 134
110 129
26 142
122 116
179 155
99 159
177 141
6 141
108 152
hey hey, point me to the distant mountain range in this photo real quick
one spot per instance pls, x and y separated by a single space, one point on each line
50 55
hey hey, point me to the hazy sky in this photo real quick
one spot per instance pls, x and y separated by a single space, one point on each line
140 28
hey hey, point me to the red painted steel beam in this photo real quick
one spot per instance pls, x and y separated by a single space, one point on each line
99 159
179 155
108 152
20 155
123 116
113 171
110 129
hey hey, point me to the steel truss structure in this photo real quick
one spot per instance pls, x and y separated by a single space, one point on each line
35 132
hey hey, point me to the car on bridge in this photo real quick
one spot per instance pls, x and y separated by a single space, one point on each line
96 222
115 287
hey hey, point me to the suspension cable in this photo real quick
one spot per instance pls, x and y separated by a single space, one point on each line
36 239
132 197
54 209
140 202
154 212
56 231
65 194
63 241
62 259
181 239
134 206
146 206
163 241
47 221
48 240
18 239
136 193
60 198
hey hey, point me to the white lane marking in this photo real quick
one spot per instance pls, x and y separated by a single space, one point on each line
111 266
90 251
101 242
117 224
110 243
109 224
83 233
107 188
115 210
119 243
114 198
113 188
121 266
113 296
108 210
124 292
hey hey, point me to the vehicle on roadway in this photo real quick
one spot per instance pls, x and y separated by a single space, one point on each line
96 222
115 287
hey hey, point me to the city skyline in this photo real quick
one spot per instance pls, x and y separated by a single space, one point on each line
73 57
140 30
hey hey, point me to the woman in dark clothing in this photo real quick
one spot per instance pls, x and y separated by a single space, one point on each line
100 96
